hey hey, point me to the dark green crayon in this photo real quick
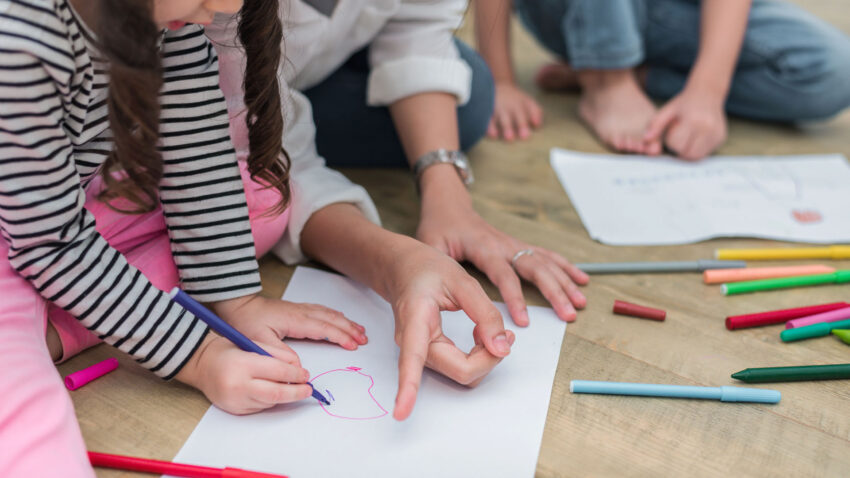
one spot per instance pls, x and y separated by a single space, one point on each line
794 374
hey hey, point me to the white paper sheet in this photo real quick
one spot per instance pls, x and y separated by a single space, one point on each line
638 200
493 430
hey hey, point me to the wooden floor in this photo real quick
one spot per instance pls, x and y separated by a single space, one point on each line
807 434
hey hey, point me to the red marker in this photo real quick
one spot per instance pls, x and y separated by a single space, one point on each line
779 316
105 460
626 308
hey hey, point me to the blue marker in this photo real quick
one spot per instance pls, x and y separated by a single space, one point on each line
724 394
226 330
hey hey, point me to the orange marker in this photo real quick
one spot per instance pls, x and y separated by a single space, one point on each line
717 276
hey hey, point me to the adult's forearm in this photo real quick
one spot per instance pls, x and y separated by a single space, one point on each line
342 238
427 122
722 28
492 33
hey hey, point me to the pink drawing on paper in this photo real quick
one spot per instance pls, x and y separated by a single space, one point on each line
350 393
806 216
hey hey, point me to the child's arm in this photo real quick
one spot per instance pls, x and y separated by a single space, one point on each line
55 246
694 121
418 282
52 237
515 112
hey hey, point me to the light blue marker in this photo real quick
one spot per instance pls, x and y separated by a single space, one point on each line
724 394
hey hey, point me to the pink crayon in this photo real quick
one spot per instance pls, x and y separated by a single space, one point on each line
831 316
86 375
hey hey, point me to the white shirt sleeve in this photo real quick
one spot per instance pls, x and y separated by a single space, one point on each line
415 53
314 185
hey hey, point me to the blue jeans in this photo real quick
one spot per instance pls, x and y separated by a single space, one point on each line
351 134
793 66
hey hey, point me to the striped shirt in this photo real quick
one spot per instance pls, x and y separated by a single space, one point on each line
54 136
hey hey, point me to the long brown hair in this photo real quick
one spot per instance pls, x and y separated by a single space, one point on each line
128 40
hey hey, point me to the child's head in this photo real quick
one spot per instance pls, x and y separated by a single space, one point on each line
128 33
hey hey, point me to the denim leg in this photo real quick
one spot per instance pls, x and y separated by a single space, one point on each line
351 134
793 66
588 34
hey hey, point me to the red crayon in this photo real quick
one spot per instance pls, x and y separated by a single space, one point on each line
779 316
634 310
145 465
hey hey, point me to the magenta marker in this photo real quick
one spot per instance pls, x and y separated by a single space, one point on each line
86 375
831 316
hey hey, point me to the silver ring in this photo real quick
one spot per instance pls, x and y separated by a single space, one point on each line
519 254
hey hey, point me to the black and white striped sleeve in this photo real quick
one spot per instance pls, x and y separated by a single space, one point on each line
52 237
202 193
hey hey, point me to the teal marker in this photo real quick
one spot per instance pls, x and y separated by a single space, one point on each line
815 330
724 394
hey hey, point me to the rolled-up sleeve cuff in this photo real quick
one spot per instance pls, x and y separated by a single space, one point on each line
313 191
397 79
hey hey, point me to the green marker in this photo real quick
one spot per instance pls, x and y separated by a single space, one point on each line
842 334
794 374
837 277
814 330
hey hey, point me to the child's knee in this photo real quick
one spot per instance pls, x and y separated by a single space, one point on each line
831 94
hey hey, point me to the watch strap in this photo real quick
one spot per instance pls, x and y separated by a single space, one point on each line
443 156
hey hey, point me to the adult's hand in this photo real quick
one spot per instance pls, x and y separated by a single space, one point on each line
419 282
423 282
449 223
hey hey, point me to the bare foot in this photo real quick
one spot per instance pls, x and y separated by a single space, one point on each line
556 77
615 107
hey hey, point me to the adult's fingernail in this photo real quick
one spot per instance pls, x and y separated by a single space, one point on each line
501 343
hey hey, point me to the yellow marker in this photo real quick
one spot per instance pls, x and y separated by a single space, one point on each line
831 252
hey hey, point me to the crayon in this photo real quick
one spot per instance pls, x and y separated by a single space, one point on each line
831 252
831 316
837 277
718 276
779 316
145 465
842 334
794 374
649 267
814 330
633 310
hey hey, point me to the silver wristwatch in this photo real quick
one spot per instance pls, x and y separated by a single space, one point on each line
457 158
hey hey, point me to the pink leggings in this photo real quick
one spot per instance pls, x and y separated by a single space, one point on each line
39 435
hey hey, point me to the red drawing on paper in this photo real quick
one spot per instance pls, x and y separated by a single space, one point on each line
806 216
350 393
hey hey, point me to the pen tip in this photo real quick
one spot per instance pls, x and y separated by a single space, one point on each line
738 375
